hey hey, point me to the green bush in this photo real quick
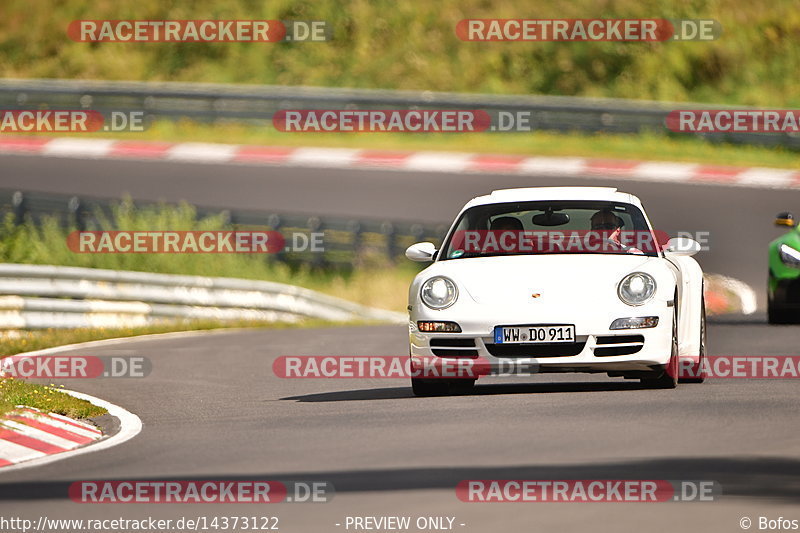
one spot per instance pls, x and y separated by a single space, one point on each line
412 45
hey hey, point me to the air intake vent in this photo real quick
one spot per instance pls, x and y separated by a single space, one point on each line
536 350
610 345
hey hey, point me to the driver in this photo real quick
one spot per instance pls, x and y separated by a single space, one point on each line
506 224
606 220
503 226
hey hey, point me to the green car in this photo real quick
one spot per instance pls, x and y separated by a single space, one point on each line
783 298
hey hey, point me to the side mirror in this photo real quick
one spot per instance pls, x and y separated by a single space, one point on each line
421 252
785 219
683 246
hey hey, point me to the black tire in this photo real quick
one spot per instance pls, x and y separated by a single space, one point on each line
668 378
776 315
698 371
461 386
429 387
441 387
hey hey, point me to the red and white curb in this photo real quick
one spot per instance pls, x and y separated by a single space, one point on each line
28 433
653 171
29 437
130 426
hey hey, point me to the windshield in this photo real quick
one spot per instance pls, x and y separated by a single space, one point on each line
551 227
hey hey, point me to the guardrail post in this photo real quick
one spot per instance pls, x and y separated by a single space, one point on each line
418 232
274 222
388 229
76 213
356 236
20 206
318 259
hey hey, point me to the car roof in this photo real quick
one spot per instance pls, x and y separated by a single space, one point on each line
532 194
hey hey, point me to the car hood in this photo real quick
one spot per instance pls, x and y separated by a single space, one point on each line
544 278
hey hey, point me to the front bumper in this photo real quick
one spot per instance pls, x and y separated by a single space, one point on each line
596 350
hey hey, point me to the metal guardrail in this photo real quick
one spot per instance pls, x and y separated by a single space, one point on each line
42 296
256 104
346 241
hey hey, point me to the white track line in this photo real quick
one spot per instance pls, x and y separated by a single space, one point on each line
323 157
17 453
39 434
420 161
542 166
57 423
437 162
202 152
69 147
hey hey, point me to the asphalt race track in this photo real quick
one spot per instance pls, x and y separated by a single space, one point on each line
212 408
387 452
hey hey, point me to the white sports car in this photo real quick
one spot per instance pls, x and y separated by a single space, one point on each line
557 279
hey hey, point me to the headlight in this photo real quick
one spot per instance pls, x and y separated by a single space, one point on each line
789 256
438 327
439 293
636 288
637 322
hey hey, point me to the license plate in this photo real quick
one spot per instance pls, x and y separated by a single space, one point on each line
549 333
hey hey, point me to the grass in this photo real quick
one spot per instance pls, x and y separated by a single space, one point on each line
646 146
14 392
413 45
376 282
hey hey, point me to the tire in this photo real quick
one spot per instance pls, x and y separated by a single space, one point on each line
776 315
428 387
461 386
668 379
698 370
441 387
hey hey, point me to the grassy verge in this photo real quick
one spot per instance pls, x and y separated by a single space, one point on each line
414 45
647 146
15 392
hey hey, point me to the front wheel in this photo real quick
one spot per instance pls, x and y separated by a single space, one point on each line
697 372
668 379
